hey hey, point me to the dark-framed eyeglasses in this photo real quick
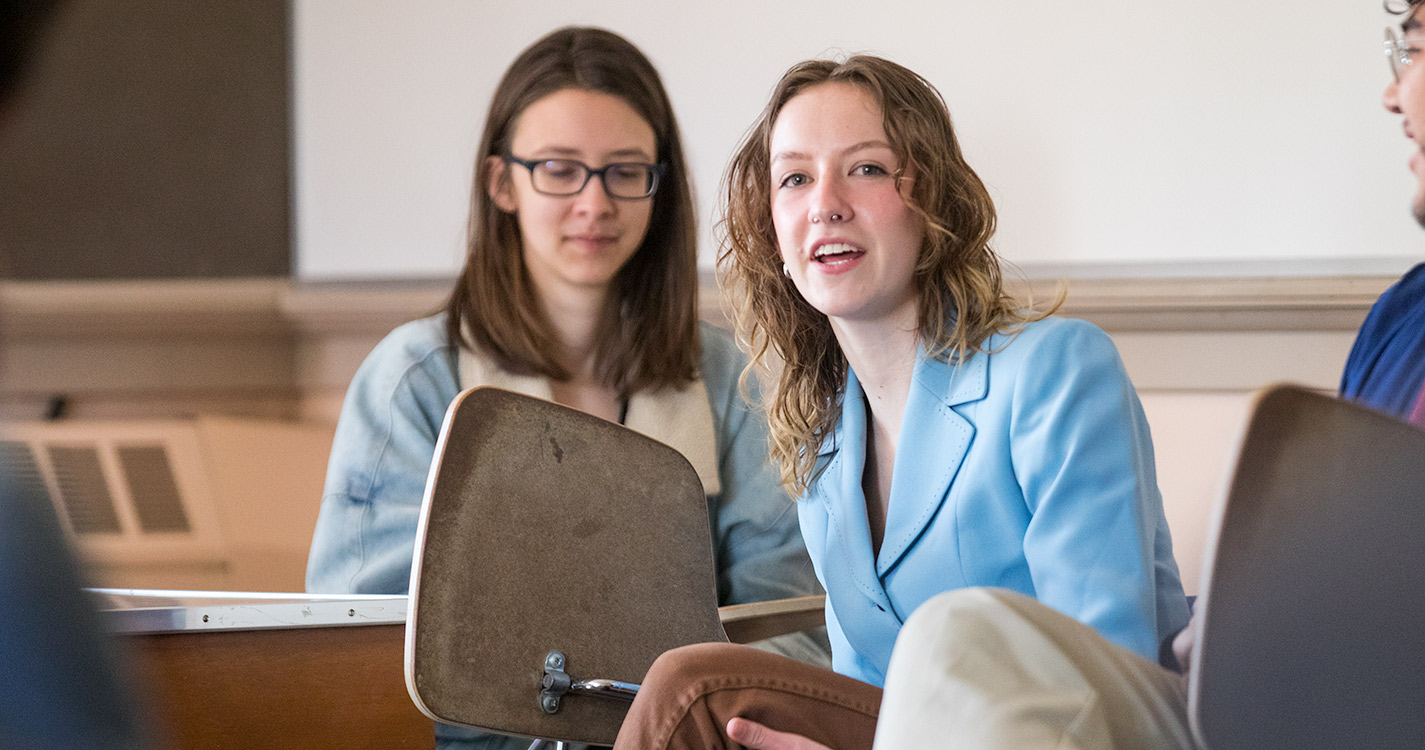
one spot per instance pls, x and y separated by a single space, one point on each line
628 180
1400 52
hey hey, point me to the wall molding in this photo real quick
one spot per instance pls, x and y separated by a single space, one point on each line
266 344
130 349
276 306
37 310
1216 304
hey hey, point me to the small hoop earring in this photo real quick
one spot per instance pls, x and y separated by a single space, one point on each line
786 271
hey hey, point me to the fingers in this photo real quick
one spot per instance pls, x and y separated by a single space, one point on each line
1184 644
751 734
758 737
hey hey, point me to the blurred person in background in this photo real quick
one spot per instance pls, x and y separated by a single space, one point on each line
59 683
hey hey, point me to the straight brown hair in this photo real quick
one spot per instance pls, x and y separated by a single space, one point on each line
647 335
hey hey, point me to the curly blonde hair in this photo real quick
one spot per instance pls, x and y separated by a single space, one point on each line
961 299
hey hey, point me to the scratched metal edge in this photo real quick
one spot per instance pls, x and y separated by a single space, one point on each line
194 614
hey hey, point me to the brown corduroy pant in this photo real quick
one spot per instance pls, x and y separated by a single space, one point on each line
690 693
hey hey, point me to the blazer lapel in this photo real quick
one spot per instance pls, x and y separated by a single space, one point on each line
932 445
838 488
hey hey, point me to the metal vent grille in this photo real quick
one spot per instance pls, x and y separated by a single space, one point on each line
135 495
83 491
118 485
18 462
152 487
92 499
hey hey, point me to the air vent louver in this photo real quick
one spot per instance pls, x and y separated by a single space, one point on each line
153 489
83 491
18 463
134 495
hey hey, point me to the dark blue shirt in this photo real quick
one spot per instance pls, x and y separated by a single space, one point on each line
1387 363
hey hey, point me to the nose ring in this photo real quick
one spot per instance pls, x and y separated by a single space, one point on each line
834 217
816 219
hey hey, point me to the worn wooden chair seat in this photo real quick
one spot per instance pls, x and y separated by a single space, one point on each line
558 555
1310 620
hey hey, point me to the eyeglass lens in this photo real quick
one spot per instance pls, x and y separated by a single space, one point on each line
1398 52
568 177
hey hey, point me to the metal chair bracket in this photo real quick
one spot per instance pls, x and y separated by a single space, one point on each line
556 683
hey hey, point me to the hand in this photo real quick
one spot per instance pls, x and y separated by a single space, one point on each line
1183 645
758 737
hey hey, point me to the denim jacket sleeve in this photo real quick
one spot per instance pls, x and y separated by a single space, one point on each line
759 549
381 455
758 544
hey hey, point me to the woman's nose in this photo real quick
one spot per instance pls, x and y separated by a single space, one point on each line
829 202
594 198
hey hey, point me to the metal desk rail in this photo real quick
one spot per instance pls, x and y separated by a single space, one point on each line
171 611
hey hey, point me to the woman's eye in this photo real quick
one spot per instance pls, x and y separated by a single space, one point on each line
794 180
871 170
626 173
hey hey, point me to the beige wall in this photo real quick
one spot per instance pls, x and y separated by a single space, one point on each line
1196 349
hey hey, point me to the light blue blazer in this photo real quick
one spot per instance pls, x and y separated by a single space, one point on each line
1029 468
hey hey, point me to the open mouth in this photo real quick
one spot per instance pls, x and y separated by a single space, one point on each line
835 254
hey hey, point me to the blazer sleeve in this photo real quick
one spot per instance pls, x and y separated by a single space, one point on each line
1084 461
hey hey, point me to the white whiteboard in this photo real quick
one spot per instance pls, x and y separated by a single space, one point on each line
1112 133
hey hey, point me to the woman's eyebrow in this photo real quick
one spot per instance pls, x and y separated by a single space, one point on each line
574 153
556 151
790 155
862 146
628 152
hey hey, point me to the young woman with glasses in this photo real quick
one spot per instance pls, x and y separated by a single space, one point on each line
580 286
939 435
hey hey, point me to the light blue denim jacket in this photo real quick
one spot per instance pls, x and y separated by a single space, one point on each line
385 442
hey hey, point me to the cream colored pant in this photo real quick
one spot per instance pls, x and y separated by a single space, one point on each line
990 669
